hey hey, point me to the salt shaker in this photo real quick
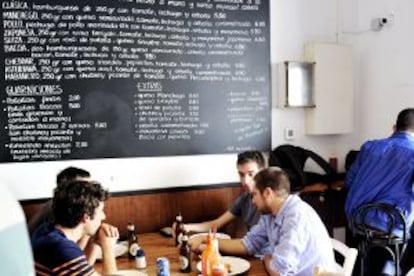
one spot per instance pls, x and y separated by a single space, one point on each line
140 260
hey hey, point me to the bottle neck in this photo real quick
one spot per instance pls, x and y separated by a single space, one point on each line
131 228
215 245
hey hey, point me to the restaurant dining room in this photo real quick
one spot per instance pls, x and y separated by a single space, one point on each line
207 137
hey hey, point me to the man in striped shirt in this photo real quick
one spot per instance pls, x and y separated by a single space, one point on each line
45 213
78 210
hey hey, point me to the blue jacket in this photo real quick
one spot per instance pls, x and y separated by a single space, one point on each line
383 172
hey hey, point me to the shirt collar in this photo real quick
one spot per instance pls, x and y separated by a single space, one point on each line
278 217
403 134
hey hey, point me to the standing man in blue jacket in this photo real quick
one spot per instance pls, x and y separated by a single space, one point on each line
384 171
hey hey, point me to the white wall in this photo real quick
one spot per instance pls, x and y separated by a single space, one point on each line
385 67
37 179
383 86
295 23
383 64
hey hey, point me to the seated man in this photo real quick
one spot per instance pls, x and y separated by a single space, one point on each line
248 164
384 172
77 211
45 214
298 239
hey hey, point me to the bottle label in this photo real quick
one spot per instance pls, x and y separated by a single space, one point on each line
131 227
184 262
141 262
133 248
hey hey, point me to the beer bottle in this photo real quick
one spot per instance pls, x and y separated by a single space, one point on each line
179 229
132 241
185 255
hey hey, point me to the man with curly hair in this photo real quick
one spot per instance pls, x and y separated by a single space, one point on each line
45 213
78 210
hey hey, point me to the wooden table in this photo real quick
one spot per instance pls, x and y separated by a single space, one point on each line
155 245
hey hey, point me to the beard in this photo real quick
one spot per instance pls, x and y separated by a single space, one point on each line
264 210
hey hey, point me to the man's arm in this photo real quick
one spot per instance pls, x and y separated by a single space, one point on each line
350 175
107 236
207 225
227 247
232 247
83 242
92 250
253 240
353 170
108 259
266 261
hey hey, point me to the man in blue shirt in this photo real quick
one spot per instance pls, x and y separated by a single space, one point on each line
384 171
298 239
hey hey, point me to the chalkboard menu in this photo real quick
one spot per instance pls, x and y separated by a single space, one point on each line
125 78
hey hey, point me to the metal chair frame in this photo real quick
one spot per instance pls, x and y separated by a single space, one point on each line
370 236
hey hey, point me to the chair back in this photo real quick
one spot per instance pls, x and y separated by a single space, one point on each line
292 160
379 225
379 222
349 254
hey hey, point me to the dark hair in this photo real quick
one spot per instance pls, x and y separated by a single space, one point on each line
275 178
251 156
72 200
405 120
71 173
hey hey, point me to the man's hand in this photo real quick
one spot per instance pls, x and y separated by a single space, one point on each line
109 230
107 236
197 244
267 258
267 261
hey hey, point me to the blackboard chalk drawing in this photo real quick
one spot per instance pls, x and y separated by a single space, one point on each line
133 78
